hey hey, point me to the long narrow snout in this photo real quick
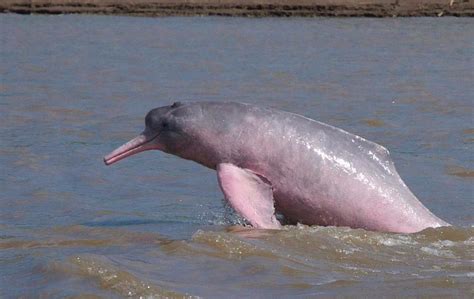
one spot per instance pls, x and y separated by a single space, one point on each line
142 142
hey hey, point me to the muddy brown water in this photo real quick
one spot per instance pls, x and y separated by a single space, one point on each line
74 87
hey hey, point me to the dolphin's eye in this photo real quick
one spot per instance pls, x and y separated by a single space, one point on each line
164 125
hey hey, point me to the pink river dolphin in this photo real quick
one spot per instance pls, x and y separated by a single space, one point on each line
270 161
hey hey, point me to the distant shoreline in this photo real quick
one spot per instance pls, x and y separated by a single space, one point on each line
246 8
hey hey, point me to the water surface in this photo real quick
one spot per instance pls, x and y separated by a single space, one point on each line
75 87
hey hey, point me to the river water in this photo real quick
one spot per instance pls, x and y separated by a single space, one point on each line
75 87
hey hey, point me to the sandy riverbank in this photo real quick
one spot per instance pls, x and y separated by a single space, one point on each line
254 8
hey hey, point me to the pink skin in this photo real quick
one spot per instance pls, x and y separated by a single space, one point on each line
249 194
269 160
142 142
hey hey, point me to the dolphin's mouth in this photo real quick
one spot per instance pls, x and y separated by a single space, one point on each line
142 142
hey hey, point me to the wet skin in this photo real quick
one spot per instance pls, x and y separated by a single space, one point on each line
270 161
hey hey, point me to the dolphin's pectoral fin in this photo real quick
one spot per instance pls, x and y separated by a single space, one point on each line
249 194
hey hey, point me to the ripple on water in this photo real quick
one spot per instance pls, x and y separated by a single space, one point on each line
373 122
115 278
460 171
296 260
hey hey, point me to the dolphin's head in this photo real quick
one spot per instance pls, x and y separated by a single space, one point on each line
165 130
205 132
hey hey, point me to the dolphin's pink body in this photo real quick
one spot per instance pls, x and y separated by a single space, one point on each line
270 160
